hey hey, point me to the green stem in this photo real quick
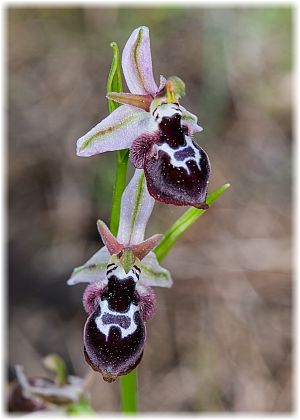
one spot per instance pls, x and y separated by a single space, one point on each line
128 382
129 392
114 84
120 184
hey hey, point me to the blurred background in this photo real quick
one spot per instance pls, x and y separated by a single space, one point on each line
221 339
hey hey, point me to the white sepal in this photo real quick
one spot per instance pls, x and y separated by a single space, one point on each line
136 208
93 270
153 274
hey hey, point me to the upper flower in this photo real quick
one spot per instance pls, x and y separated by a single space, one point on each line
156 128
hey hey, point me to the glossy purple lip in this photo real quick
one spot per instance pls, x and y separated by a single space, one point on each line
114 334
177 170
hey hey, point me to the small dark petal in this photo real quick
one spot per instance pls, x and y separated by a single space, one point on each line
112 244
142 249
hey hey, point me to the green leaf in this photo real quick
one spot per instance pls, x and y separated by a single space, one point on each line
183 223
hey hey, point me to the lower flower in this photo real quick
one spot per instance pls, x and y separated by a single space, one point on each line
118 307
119 300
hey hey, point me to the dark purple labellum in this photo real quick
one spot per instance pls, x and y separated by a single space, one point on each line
177 170
114 334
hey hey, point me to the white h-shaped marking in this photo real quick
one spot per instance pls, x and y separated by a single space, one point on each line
181 163
105 328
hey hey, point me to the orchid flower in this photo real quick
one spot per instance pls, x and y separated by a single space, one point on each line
37 392
157 130
119 300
